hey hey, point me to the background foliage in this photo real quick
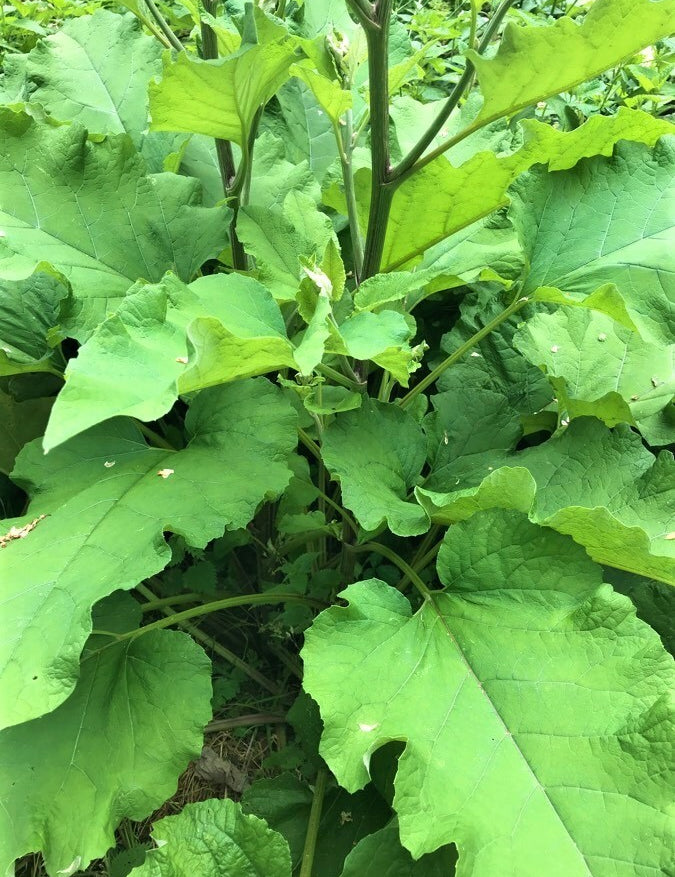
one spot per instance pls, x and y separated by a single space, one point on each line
350 358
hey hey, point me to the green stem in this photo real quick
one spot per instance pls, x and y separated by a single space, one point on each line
474 23
364 12
411 163
344 142
219 606
280 11
360 128
321 478
344 514
209 52
380 193
310 444
313 824
459 353
164 27
397 560
157 440
214 646
424 546
154 30
339 378
609 89
426 559
152 605
248 721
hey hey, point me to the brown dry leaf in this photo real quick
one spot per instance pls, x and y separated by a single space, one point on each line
219 772
19 532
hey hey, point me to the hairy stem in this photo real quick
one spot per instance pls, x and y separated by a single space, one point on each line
380 193
164 27
345 147
411 162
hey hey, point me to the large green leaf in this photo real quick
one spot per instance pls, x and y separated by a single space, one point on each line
521 73
610 494
90 210
95 70
377 452
601 368
219 98
114 749
215 837
137 361
275 177
532 703
108 498
455 197
609 220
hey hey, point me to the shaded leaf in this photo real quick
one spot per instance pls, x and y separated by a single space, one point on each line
307 130
20 422
215 837
380 854
285 803
377 453
29 309
114 749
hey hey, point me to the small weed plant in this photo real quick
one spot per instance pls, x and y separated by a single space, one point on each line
336 385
